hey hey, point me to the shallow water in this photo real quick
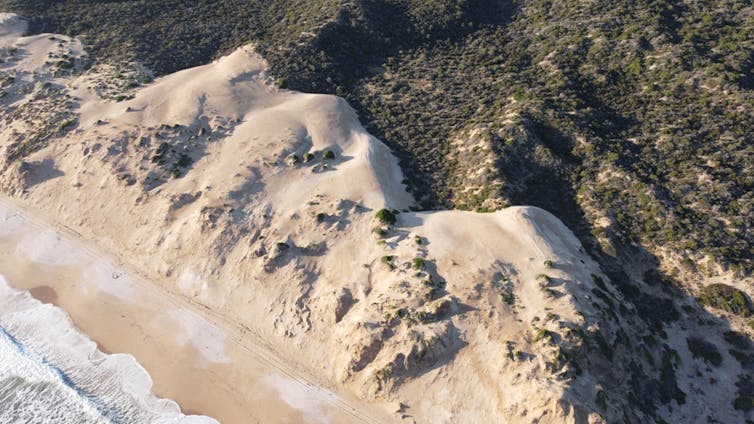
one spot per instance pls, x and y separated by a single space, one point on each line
50 372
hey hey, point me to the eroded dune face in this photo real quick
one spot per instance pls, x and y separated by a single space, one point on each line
261 205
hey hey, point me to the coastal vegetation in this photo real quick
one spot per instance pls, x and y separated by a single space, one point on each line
631 129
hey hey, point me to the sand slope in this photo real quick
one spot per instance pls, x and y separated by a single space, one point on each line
260 205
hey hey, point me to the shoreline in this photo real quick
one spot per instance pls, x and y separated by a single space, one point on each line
192 358
41 345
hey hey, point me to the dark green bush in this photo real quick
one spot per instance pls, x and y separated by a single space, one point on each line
744 403
66 125
184 160
417 263
507 296
543 334
726 298
386 217
293 159
282 246
702 349
381 232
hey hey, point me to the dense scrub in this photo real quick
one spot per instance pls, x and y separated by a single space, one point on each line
727 298
170 35
630 120
633 123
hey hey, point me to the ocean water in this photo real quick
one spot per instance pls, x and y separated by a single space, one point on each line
51 372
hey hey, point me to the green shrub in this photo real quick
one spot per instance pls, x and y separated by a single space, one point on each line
705 350
281 246
726 298
417 263
744 403
507 296
66 125
386 217
381 232
386 371
328 155
64 64
543 334
308 157
603 346
599 282
184 160
293 159
543 277
601 400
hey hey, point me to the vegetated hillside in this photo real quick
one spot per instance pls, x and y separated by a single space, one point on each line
629 120
632 118
171 35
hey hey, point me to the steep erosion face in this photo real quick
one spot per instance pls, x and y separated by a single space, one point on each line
277 211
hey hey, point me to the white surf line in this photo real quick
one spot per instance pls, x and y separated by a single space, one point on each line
260 349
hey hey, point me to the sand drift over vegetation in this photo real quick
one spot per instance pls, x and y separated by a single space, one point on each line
277 211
